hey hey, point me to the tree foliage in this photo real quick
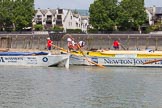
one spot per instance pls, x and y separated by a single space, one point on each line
16 14
38 27
132 14
111 14
103 14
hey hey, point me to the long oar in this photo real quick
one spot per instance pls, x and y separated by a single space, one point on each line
152 61
82 54
86 56
88 59
60 48
4 50
122 46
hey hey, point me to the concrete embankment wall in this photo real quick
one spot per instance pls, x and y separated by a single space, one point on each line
96 41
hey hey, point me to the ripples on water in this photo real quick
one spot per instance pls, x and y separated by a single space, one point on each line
80 87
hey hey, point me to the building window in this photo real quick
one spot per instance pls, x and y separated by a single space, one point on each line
59 16
39 17
59 23
77 24
69 24
60 11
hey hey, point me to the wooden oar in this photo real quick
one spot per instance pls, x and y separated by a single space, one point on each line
122 46
4 50
77 55
88 59
60 48
86 56
152 61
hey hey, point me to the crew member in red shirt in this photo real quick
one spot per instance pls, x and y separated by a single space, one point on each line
49 43
116 45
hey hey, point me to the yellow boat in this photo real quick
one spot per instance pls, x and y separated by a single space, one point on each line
117 58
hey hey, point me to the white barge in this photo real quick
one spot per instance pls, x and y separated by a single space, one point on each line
33 59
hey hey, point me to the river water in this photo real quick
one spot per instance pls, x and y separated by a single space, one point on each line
80 87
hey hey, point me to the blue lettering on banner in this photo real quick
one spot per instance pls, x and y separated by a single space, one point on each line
13 59
94 60
31 60
10 59
45 59
139 62
125 61
2 59
118 61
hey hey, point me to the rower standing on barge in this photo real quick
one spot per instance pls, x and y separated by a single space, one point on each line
49 44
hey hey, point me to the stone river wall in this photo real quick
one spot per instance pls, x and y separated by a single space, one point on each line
93 41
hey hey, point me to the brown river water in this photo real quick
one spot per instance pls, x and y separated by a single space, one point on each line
80 87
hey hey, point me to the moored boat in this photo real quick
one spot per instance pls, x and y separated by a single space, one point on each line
33 59
117 58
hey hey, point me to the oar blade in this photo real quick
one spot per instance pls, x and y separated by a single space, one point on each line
152 61
96 64
99 65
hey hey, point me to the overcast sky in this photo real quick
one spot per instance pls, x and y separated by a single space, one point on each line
80 4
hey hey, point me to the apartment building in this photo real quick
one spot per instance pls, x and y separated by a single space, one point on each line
65 18
154 14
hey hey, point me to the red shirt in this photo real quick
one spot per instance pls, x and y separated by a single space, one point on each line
49 43
116 43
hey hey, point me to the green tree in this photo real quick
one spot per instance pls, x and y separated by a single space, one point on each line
131 14
57 29
23 14
16 14
156 27
38 27
6 15
111 14
103 14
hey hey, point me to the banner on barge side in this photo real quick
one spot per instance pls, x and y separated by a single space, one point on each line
126 61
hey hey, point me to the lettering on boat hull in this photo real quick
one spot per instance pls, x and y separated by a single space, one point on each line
130 62
125 61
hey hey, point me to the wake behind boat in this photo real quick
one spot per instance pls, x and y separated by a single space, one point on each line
117 58
33 59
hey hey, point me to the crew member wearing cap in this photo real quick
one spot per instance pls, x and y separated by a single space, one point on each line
81 43
70 44
49 43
